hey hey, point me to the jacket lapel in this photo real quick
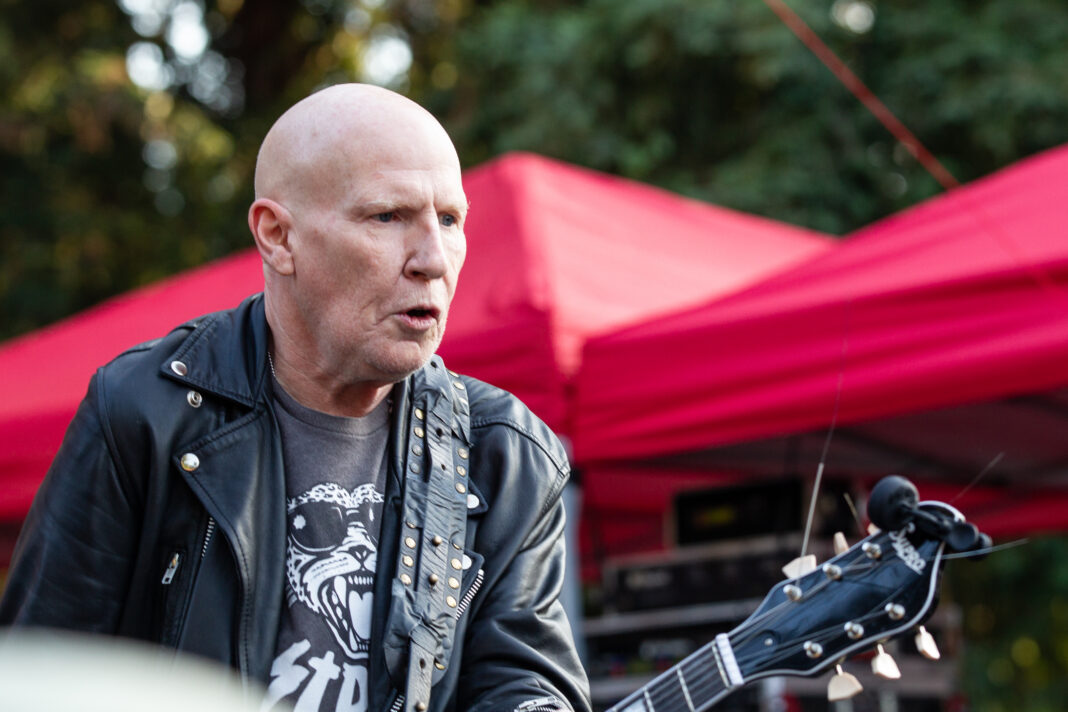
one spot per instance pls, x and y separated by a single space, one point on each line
239 474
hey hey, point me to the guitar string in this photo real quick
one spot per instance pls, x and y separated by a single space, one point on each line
790 647
988 550
846 317
822 635
702 683
857 565
982 473
705 682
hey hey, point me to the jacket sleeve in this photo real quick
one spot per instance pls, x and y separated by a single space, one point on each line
519 653
72 562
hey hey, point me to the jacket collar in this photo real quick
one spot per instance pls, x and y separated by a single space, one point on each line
226 354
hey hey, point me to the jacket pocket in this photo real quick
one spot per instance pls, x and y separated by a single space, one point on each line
179 569
172 581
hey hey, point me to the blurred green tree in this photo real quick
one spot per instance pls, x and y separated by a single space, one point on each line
128 134
1015 627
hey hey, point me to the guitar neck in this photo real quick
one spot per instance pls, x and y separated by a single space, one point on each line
695 684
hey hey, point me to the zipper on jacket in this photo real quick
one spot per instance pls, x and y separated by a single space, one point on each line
207 537
470 595
172 569
398 701
540 708
542 704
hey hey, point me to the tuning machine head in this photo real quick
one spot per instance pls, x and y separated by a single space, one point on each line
884 665
925 643
842 685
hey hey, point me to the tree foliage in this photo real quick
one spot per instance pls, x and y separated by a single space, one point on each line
1015 626
110 183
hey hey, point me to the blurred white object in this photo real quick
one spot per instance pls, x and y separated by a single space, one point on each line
53 671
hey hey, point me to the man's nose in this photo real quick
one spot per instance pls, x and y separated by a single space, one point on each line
427 258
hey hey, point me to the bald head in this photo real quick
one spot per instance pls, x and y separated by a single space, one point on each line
307 149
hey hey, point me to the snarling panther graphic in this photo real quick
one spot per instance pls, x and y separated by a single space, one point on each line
330 560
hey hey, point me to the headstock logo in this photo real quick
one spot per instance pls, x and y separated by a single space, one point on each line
907 552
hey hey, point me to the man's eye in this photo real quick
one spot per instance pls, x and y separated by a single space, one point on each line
385 217
448 220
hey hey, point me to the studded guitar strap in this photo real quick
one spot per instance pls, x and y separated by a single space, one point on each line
425 591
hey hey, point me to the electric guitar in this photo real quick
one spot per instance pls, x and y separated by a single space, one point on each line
881 588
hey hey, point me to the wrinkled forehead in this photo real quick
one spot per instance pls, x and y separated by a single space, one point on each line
400 167
384 185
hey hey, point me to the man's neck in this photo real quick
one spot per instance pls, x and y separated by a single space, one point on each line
322 394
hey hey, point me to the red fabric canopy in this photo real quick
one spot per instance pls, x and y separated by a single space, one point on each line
555 254
558 254
959 300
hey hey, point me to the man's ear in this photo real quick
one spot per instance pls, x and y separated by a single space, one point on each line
271 225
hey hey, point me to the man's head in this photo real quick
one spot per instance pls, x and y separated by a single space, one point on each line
359 216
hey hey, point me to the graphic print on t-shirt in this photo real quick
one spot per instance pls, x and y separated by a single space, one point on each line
331 553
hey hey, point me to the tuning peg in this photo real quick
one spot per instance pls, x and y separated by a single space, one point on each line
884 665
842 685
800 566
841 546
925 643
873 530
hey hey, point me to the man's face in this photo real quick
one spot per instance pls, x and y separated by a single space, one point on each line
377 249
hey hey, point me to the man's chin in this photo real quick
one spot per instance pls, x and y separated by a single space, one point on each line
401 365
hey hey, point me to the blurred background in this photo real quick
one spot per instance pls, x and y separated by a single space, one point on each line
128 134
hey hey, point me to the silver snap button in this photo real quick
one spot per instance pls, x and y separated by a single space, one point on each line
190 462
472 501
467 562
194 398
180 368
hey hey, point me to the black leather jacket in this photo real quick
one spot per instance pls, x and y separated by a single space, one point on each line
130 536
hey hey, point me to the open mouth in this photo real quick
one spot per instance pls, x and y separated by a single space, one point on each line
346 600
421 317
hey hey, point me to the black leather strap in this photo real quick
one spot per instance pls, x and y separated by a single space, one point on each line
430 554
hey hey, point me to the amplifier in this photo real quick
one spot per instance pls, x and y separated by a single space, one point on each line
727 571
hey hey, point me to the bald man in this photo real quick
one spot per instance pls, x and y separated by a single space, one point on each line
298 487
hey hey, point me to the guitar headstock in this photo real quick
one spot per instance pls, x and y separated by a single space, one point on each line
883 586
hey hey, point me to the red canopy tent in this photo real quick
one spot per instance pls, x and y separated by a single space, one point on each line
555 254
937 337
